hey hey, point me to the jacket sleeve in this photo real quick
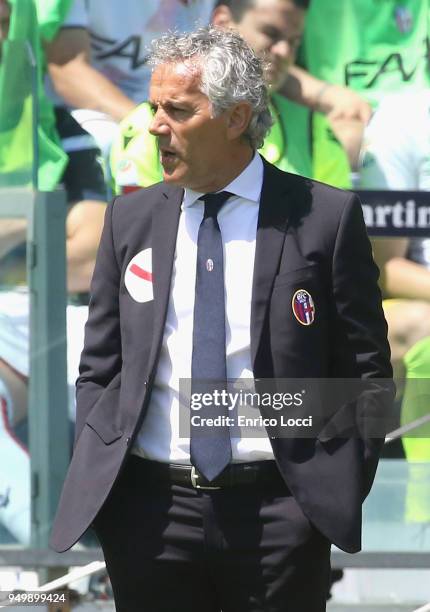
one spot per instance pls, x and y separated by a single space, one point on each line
361 349
101 359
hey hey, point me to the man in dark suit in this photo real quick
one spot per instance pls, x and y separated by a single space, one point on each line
229 268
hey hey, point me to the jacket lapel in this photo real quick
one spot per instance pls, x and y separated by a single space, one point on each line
271 229
164 231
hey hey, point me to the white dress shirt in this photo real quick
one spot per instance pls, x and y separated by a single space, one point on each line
161 437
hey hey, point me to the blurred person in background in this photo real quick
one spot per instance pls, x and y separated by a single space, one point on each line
381 50
274 29
373 48
85 189
16 109
98 65
86 195
98 60
279 47
393 153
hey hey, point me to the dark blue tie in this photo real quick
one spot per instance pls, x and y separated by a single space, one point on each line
209 445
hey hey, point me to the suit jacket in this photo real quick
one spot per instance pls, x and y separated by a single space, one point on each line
309 236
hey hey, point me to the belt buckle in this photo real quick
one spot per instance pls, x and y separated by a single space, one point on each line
195 476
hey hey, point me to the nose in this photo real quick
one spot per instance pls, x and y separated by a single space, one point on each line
159 125
283 50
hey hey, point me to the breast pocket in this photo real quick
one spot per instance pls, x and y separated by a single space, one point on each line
298 321
299 275
301 295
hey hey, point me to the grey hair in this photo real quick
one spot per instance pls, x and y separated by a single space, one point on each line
230 72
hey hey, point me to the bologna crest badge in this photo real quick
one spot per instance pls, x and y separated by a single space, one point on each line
303 307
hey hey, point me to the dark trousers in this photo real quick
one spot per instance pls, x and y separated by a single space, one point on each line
170 548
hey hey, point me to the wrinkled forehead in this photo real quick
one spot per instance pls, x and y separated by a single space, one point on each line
188 68
181 76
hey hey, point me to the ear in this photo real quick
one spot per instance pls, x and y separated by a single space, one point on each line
222 17
238 120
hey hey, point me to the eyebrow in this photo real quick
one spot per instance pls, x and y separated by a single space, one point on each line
272 31
173 100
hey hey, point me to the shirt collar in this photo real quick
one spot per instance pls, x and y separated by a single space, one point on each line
247 185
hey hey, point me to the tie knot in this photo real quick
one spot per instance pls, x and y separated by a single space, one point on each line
213 202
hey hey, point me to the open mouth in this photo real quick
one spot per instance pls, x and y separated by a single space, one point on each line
167 156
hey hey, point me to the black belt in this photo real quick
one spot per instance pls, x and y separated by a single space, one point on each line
236 474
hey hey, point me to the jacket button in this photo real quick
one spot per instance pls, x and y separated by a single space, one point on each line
128 441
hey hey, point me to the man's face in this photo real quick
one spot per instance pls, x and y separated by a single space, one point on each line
192 142
4 19
273 28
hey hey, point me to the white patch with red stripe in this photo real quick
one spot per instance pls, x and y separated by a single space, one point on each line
138 277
